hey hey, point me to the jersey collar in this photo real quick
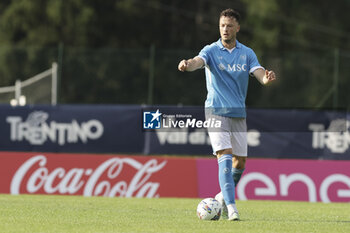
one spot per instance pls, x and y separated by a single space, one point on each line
221 46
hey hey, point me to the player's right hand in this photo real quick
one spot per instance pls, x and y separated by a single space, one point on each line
183 65
269 76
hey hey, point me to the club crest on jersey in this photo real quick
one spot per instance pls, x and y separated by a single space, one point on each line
243 57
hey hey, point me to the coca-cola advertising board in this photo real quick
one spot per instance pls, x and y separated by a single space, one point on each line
97 175
149 176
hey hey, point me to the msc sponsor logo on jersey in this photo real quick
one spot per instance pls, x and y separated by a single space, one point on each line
233 67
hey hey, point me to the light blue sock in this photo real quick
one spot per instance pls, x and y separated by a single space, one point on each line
226 179
236 174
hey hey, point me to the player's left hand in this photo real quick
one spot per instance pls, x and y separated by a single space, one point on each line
269 76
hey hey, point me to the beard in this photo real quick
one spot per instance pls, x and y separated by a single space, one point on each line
228 41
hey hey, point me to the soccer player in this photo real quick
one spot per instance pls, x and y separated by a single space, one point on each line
228 65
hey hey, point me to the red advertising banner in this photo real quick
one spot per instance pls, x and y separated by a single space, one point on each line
97 175
149 176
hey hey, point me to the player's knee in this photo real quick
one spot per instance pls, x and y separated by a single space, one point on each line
220 153
239 162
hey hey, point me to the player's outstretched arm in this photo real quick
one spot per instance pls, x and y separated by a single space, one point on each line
264 76
191 64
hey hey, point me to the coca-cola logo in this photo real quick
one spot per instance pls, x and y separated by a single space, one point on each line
108 179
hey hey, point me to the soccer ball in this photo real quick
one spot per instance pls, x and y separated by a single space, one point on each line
209 209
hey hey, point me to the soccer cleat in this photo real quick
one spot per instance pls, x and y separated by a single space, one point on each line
234 217
220 198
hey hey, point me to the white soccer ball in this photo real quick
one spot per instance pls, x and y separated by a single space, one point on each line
209 209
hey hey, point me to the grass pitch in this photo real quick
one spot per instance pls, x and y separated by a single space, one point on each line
44 213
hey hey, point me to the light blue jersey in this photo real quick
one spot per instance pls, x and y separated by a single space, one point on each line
227 73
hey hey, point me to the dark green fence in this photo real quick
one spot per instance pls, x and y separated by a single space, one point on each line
306 78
